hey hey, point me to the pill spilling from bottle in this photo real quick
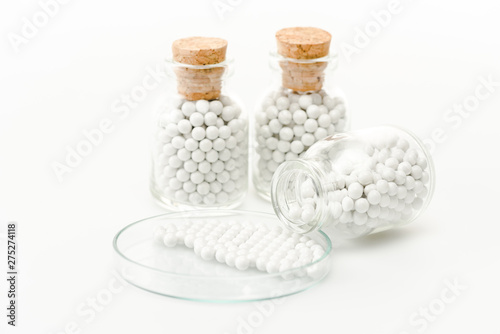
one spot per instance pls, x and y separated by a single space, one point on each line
355 183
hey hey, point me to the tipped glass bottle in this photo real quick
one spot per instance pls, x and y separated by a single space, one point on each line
200 156
356 183
301 107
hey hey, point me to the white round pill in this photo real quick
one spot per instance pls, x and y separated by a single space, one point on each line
299 116
392 163
275 126
365 177
234 125
198 155
298 130
374 197
202 106
215 187
285 117
168 149
282 103
188 187
373 211
222 197
223 177
197 177
347 204
183 154
190 166
416 172
182 175
324 121
171 129
228 113
382 186
272 112
204 167
184 126
174 184
195 198
307 213
308 139
297 147
361 205
174 162
334 115
203 188
311 125
198 133
393 189
216 107
320 133
196 119
405 167
286 134
188 108
305 101
355 190
224 155
388 174
206 145
181 195
218 166
178 142
210 176
403 144
242 263
212 156
210 118
224 132
212 132
231 142
191 144
278 156
284 146
402 192
313 111
219 144
170 240
229 186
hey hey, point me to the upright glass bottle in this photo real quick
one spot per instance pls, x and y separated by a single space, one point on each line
301 107
355 183
200 156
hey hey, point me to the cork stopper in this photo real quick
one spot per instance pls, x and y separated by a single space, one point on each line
199 83
303 44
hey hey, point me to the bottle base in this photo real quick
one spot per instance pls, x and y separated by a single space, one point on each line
175 205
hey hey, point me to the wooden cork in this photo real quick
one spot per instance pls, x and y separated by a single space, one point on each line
199 83
303 43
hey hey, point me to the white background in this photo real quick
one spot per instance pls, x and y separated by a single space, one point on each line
65 79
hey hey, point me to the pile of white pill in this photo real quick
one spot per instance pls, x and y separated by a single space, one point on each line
289 123
202 152
385 183
243 245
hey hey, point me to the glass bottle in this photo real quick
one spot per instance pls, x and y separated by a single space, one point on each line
200 156
355 183
301 107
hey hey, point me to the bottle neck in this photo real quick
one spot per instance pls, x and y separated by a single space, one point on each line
299 195
303 75
199 82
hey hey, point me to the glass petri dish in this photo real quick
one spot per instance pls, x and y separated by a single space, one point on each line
178 272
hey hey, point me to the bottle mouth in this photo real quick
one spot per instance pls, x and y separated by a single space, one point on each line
331 59
297 194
